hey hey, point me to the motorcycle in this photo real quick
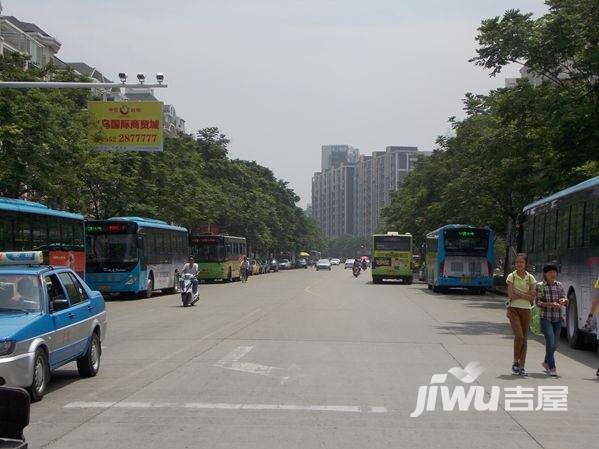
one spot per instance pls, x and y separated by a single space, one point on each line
356 271
188 297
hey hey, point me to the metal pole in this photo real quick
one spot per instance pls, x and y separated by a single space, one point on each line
74 85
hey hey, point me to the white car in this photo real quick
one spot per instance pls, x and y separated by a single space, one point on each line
323 264
335 261
349 263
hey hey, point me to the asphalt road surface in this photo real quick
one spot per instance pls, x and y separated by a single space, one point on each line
306 359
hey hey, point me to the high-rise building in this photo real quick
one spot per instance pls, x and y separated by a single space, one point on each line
335 155
350 192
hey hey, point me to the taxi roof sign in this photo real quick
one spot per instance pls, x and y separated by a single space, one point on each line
21 258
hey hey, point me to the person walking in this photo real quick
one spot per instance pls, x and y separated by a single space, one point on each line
550 298
244 269
521 292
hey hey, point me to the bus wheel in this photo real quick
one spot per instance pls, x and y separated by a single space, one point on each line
437 289
429 286
147 293
376 280
408 280
575 337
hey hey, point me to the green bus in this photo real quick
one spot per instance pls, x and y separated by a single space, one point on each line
218 256
392 257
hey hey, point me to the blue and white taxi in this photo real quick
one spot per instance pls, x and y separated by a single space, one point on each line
48 318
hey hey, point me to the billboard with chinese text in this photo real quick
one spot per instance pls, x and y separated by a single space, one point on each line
127 125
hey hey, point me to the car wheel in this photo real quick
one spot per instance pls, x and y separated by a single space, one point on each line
41 375
575 337
89 364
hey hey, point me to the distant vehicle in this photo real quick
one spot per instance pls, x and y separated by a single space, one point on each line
255 267
284 264
392 257
335 261
301 263
48 317
323 264
28 226
264 266
460 256
564 229
274 265
349 263
219 256
134 255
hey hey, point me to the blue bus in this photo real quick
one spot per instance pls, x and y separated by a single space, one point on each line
563 229
30 226
134 255
460 256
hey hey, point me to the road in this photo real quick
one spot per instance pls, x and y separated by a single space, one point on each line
306 359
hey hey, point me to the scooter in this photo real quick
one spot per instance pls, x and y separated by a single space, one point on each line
186 287
356 271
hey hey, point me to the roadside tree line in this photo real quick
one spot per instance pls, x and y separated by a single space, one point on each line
47 155
515 144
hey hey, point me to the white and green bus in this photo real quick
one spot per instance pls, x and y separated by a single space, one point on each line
218 256
392 257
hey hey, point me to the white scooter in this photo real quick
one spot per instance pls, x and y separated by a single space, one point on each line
186 287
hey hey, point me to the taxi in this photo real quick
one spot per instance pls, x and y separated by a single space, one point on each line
48 317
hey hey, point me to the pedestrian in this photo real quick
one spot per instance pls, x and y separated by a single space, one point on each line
521 291
550 298
595 311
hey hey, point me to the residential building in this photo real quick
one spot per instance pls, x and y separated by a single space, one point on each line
172 123
351 190
335 155
28 39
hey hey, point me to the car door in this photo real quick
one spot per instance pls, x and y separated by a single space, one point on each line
82 311
60 345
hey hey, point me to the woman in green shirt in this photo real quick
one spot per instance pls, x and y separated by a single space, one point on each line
521 291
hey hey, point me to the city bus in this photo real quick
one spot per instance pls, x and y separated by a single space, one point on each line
219 256
134 255
564 229
392 257
29 226
460 256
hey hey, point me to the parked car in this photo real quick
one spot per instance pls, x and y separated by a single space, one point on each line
349 263
301 263
323 264
48 317
422 273
264 267
274 265
285 264
335 261
254 267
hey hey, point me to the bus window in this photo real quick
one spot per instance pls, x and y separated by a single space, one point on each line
563 223
576 223
39 232
6 222
549 230
595 224
22 234
539 232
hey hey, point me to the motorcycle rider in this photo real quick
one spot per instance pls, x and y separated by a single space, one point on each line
364 264
356 266
192 268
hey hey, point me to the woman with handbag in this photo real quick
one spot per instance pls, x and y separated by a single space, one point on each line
550 298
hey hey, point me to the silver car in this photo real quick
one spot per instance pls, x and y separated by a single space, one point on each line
323 264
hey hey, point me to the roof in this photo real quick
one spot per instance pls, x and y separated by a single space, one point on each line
589 183
34 208
148 223
88 71
26 26
455 226
26 269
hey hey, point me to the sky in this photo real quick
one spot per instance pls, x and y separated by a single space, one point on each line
281 78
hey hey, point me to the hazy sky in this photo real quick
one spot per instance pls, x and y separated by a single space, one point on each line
283 77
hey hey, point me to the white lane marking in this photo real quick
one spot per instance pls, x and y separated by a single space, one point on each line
228 406
231 362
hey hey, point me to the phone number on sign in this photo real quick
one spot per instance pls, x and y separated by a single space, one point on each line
133 138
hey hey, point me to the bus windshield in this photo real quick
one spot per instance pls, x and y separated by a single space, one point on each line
208 252
392 243
111 251
466 241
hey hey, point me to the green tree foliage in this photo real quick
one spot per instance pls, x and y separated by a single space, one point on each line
46 155
518 144
348 246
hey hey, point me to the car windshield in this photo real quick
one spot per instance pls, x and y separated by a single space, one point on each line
323 261
19 293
